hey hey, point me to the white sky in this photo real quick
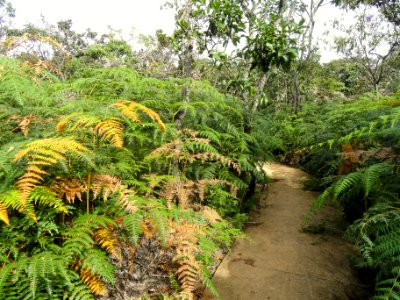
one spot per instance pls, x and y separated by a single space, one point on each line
144 16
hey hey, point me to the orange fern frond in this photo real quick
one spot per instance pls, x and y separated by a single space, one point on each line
149 229
108 240
95 284
129 109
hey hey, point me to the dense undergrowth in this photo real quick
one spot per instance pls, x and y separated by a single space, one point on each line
93 165
352 150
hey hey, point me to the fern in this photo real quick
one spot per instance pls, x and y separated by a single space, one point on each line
133 225
129 108
42 271
46 152
367 181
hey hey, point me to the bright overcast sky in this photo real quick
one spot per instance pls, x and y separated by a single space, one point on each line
144 16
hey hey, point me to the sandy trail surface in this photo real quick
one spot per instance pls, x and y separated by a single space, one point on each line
279 260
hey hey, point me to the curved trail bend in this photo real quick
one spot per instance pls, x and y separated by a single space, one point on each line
280 262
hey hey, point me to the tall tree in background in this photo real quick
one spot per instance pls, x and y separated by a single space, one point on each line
307 48
389 8
7 13
261 38
371 42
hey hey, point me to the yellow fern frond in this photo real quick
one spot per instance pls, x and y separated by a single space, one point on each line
108 240
78 120
111 129
95 284
46 152
14 42
129 108
50 147
4 214
39 65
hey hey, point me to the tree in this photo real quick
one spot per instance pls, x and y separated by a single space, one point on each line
7 12
370 41
261 37
389 8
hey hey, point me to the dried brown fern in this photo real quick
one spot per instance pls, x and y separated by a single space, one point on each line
179 191
130 110
176 149
70 188
107 185
356 156
211 215
23 123
185 240
185 192
217 157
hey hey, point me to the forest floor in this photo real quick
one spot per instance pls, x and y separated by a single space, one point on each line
278 260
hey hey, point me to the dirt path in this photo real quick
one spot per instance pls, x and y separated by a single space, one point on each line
281 261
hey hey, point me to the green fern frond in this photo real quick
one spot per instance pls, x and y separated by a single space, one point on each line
347 182
43 195
372 176
133 224
98 263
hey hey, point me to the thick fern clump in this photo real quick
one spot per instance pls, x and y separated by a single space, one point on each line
93 165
